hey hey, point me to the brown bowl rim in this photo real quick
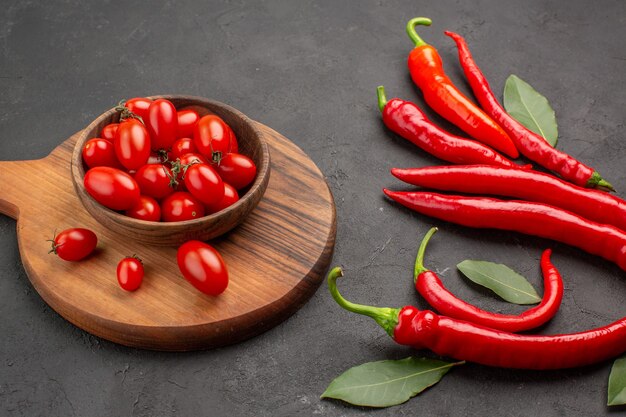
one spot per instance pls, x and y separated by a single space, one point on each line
78 171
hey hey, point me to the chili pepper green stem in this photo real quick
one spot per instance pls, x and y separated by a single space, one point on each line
382 98
387 318
410 29
596 181
419 261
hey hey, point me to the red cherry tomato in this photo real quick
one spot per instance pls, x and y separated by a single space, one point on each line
139 106
187 120
233 145
181 206
236 169
203 267
108 132
130 273
132 144
74 244
154 180
181 147
230 198
112 187
162 124
147 208
100 153
211 135
203 183
193 158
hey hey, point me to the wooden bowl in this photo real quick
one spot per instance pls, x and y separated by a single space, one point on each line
251 144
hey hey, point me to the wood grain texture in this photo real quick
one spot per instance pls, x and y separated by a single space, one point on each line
276 259
251 143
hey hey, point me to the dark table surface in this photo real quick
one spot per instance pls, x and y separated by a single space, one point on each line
309 70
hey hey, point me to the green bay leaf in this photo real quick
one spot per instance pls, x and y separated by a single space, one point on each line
530 108
500 279
386 383
617 383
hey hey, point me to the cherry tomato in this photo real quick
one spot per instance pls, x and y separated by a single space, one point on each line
230 198
233 145
74 244
154 180
203 267
130 273
187 120
139 106
132 144
211 135
191 158
111 187
236 169
181 147
162 124
100 153
204 183
108 132
147 208
181 206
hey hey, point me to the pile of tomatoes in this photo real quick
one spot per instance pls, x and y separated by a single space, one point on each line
163 164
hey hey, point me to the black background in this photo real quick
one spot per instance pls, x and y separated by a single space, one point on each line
308 70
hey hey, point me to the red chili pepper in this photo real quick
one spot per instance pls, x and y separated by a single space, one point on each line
531 145
526 185
423 329
432 289
533 219
442 95
408 121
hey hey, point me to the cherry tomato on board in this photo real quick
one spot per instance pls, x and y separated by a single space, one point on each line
181 147
203 267
132 144
139 106
74 244
99 152
212 135
162 124
203 182
108 132
130 273
147 208
187 120
111 187
154 180
236 169
230 198
181 206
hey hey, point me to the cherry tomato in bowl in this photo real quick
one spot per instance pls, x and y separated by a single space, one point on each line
162 124
203 267
139 106
130 273
181 206
154 180
187 120
74 244
236 169
108 132
146 208
132 144
182 147
212 135
230 198
99 152
203 182
111 187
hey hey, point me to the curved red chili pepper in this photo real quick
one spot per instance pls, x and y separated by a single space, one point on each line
533 219
407 120
432 289
526 185
423 329
442 95
531 145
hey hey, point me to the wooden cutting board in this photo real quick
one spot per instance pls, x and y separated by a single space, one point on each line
276 259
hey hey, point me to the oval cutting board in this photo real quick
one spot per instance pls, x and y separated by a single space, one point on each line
276 259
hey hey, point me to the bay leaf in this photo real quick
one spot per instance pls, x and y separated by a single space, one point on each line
617 383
